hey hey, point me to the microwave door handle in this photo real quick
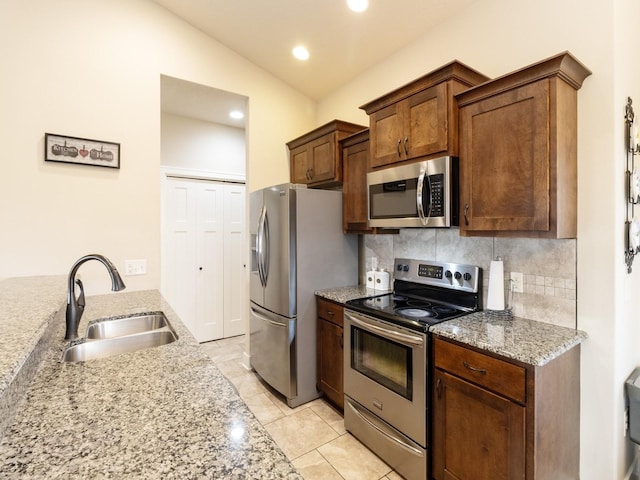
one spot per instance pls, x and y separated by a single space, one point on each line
424 218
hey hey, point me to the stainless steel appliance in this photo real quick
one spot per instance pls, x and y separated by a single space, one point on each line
297 247
422 194
387 379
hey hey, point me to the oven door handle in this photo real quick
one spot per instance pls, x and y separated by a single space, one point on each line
383 332
383 431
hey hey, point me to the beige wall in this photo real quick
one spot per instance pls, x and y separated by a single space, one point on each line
92 69
498 36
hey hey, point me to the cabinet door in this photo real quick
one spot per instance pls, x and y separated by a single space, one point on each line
330 362
355 160
386 132
300 164
477 435
323 159
426 122
505 167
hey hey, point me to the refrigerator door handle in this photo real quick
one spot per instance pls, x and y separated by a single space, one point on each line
266 254
262 245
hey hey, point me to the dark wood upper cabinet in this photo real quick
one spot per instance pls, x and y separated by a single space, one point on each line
518 152
316 157
419 119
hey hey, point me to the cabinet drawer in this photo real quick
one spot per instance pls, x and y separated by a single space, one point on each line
497 375
330 311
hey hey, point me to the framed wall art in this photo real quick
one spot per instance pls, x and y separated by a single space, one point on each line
83 151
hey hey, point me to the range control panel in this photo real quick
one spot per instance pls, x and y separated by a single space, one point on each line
441 274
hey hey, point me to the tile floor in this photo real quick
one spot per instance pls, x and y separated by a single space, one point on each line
312 435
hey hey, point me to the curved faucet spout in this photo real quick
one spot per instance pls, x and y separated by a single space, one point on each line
75 306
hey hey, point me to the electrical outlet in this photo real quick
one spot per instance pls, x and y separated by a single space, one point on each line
518 282
135 267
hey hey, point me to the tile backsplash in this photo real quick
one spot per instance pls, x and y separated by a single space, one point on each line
548 266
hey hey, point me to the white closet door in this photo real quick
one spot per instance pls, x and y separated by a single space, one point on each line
210 261
204 255
180 251
234 234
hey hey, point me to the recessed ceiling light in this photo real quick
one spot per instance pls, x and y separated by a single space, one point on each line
236 114
301 53
358 5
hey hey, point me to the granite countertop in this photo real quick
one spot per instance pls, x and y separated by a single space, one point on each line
164 412
529 341
344 294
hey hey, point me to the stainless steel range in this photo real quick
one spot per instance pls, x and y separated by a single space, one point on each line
387 376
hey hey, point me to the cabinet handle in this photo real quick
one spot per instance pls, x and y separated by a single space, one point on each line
330 313
310 173
466 209
481 371
439 388
399 151
406 145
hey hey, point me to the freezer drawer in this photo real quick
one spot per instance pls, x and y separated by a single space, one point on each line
273 343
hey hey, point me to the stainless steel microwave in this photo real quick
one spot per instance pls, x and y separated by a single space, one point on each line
421 194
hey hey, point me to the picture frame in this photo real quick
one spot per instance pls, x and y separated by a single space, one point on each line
81 151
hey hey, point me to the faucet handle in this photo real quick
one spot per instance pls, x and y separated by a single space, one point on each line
81 296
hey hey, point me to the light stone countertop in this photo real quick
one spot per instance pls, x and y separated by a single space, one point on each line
344 294
165 412
529 341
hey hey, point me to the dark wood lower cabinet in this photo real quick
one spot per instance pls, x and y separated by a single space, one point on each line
495 418
330 351
477 434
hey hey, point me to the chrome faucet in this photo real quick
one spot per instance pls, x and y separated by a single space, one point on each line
75 306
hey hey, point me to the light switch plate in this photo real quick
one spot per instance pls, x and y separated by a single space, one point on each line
135 267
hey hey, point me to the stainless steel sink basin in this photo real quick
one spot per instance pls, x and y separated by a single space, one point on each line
119 327
94 349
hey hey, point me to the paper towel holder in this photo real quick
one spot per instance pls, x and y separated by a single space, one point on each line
507 312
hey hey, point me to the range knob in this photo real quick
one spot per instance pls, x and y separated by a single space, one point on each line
448 274
457 275
467 276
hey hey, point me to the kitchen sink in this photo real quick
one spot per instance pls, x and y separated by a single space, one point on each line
94 349
106 338
119 327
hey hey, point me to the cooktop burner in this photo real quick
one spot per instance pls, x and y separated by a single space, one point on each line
425 294
403 309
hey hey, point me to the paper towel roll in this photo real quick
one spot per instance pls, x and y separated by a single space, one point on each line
495 300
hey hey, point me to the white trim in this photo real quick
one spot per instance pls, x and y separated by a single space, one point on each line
201 174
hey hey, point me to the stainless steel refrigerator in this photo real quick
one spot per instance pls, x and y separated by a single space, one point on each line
297 247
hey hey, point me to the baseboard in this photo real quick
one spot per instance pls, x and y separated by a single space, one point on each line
246 361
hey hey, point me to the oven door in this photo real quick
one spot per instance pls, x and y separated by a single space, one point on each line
385 370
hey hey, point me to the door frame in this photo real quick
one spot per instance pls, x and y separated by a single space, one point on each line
186 173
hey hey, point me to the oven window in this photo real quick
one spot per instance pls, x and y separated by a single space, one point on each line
383 361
